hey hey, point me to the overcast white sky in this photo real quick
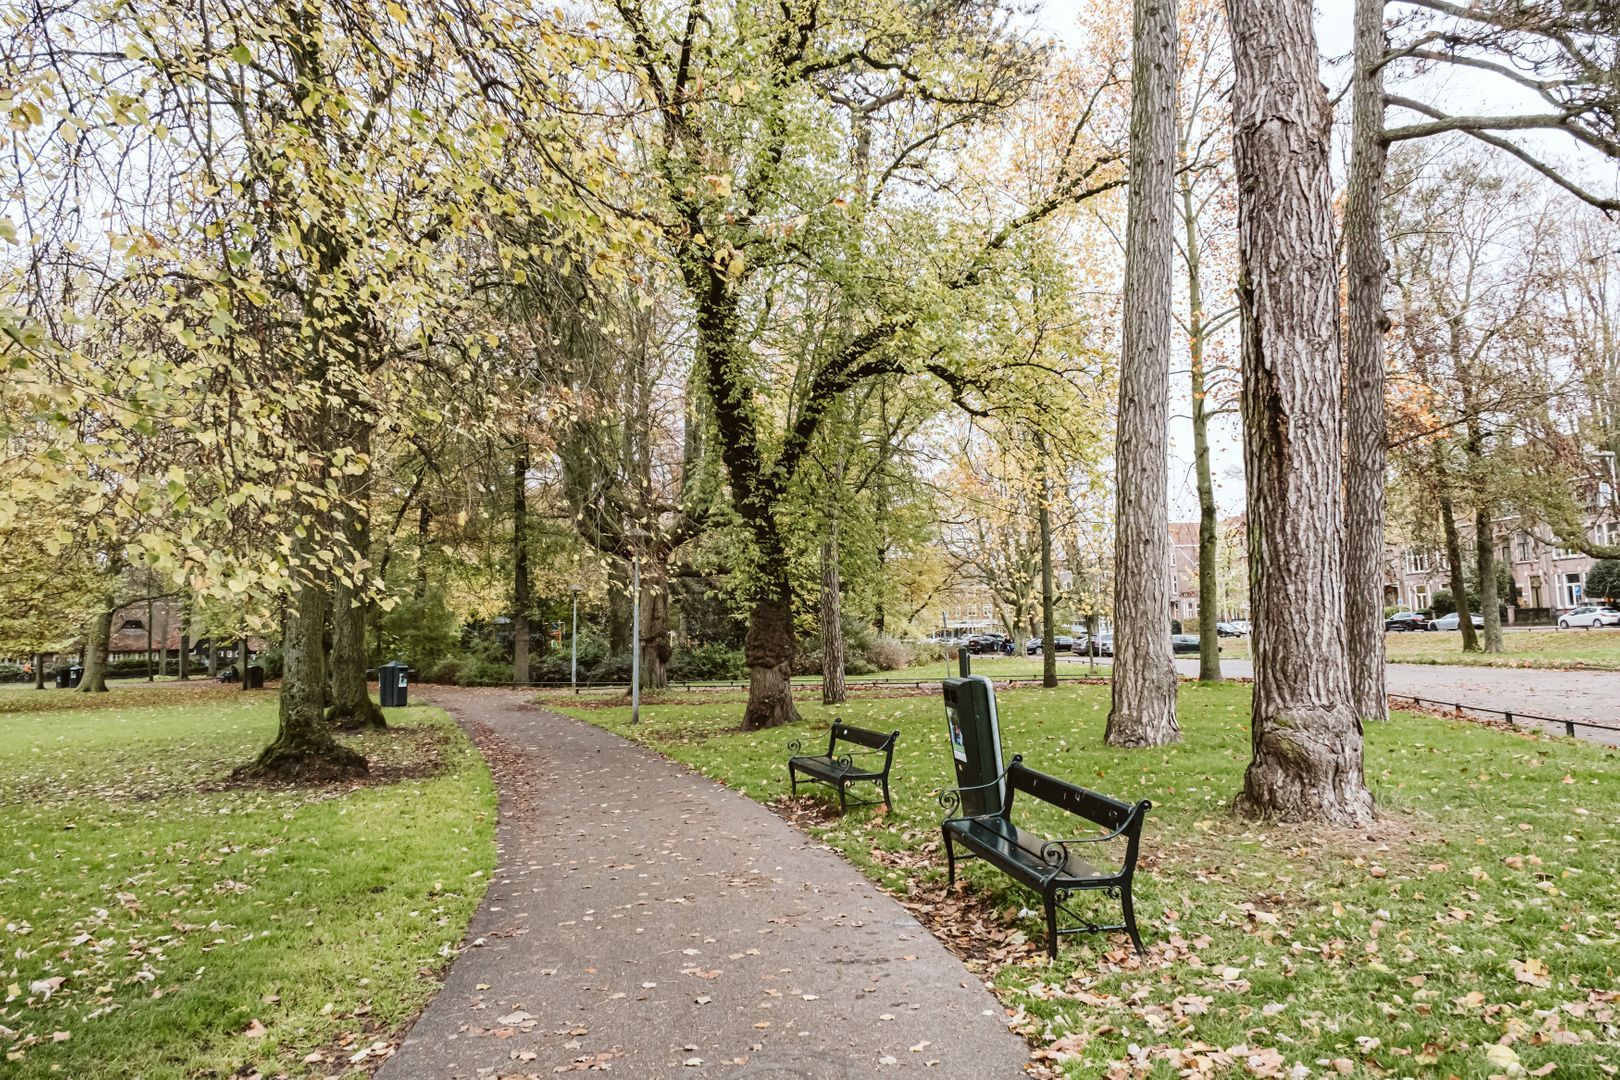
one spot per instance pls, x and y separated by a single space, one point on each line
1456 89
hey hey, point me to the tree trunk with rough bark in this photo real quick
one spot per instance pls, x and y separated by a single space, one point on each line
833 689
521 601
618 617
94 678
1209 643
1365 438
1144 683
1485 554
768 647
184 671
1306 737
351 705
39 671
304 748
1457 578
213 655
656 648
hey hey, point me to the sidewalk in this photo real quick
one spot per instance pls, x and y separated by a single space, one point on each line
648 920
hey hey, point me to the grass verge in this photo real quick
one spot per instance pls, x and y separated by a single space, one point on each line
1472 933
158 922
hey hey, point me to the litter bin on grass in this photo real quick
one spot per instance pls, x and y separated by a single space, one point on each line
393 684
75 675
62 678
255 677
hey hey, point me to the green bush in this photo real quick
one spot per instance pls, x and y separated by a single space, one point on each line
888 654
423 632
272 661
715 660
12 673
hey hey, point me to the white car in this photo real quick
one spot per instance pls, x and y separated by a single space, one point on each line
1453 621
1590 615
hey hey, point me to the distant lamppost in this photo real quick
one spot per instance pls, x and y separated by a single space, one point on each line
573 644
635 534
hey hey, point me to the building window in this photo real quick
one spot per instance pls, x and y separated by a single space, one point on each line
1535 591
1420 598
1417 562
1570 588
133 624
1523 543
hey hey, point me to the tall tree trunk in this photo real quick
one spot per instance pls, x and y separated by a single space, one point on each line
1485 555
1209 642
149 631
351 705
833 690
618 619
521 601
242 649
213 655
39 671
1144 684
656 648
1365 439
184 672
1456 576
768 647
94 678
1306 738
304 747
424 518
1043 513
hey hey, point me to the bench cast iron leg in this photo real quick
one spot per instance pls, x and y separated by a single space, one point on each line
793 778
950 860
886 800
843 799
1051 926
1130 920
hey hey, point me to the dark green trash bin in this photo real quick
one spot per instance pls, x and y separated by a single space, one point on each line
255 677
393 684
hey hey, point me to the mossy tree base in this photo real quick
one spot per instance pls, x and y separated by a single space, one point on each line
360 715
310 761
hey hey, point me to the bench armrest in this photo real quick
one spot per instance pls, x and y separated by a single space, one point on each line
1056 852
950 799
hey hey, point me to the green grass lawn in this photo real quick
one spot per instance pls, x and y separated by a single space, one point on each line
158 923
1476 925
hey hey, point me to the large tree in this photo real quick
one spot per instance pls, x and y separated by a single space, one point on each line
1144 683
1306 738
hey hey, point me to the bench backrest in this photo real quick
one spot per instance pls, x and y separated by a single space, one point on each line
1082 802
872 740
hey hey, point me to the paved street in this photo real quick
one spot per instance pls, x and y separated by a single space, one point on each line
1574 695
647 920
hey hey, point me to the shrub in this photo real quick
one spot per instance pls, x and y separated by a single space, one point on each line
1603 580
11 673
887 654
272 661
715 660
422 631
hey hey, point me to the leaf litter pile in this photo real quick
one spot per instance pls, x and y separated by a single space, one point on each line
160 920
1473 932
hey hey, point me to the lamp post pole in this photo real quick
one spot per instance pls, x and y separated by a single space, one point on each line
635 636
573 645
636 535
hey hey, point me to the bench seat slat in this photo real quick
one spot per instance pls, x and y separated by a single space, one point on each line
1018 851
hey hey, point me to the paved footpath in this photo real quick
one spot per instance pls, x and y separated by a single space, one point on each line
1576 695
648 919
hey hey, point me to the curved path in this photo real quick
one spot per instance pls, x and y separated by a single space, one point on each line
648 920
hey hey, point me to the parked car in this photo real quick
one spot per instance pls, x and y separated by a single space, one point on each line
1061 643
1230 629
1589 616
1453 621
1101 645
1184 643
989 643
1406 620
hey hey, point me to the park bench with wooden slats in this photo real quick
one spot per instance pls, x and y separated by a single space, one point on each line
839 770
1053 868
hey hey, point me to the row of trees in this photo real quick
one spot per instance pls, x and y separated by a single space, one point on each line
344 307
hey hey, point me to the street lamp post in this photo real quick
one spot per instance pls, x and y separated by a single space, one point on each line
635 535
573 644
